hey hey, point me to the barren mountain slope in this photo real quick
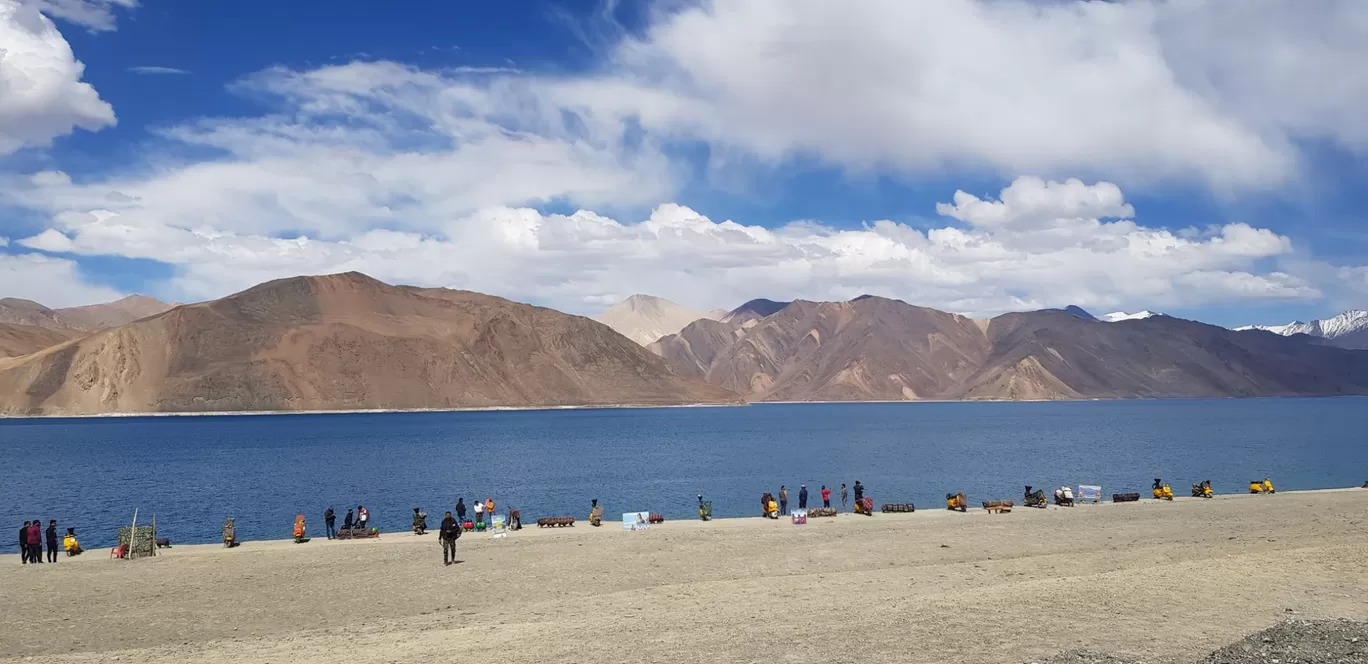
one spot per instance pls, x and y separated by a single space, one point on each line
870 348
693 351
87 318
345 342
16 340
1051 355
111 314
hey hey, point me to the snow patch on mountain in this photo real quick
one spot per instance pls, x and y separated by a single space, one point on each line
1347 330
1117 316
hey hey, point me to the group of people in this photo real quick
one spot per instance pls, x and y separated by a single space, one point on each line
32 536
354 519
773 506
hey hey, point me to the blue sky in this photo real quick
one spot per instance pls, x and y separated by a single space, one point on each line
1121 156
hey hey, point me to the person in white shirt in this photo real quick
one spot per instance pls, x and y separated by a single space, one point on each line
479 511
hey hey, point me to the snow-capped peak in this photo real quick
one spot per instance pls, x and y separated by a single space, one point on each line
1117 316
1347 330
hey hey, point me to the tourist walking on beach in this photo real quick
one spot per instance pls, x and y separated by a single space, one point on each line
843 497
460 509
783 499
826 496
23 543
451 531
51 540
35 541
349 520
330 518
802 497
479 511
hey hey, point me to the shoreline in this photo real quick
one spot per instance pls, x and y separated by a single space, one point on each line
496 409
719 524
1153 581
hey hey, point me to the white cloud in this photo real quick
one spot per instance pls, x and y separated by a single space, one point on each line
426 176
41 92
157 70
95 15
55 282
580 261
1136 91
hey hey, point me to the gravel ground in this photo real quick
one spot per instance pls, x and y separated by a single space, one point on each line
1159 583
1290 642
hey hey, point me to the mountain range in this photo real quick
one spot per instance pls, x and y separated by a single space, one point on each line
347 341
1347 330
874 348
344 341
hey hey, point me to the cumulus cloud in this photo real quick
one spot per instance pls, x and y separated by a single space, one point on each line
54 282
582 261
1137 91
41 92
436 177
94 15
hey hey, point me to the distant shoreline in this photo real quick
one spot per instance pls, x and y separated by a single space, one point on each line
369 411
485 409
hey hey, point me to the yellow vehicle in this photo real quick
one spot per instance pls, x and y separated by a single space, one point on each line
1255 486
1161 491
956 501
1268 486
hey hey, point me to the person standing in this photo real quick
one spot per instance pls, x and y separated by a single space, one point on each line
23 543
51 534
783 499
460 509
826 496
451 531
859 491
479 511
802 497
330 518
843 496
362 517
489 511
35 541
349 520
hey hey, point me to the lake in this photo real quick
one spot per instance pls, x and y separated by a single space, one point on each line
192 472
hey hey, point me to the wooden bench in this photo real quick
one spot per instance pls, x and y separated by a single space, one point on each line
998 506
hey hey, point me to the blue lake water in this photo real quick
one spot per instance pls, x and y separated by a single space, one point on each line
192 472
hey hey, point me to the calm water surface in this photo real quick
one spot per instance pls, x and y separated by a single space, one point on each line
192 472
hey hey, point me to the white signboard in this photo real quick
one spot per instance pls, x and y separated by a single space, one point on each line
636 520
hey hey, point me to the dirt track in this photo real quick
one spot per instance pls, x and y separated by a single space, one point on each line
1172 580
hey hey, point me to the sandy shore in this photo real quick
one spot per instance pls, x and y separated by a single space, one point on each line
1159 580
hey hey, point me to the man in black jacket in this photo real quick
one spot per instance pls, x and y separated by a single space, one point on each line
802 497
330 518
52 541
23 544
451 531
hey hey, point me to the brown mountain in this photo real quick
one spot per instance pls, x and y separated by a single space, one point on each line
16 340
1052 355
874 348
87 318
869 348
345 341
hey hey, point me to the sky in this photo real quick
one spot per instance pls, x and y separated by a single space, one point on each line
1202 158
